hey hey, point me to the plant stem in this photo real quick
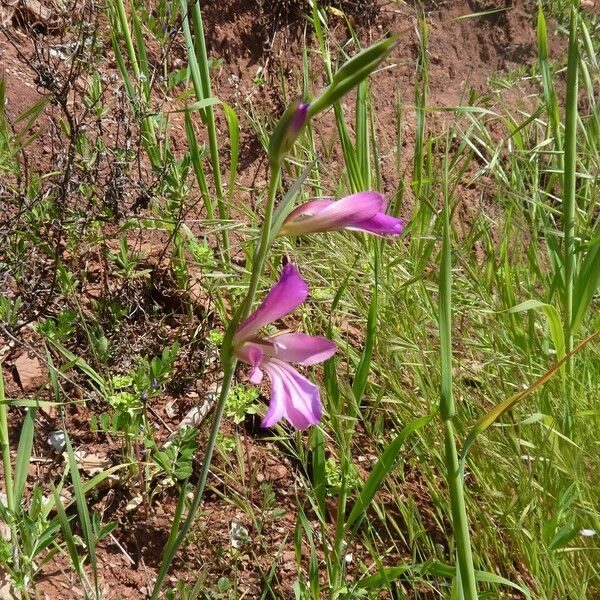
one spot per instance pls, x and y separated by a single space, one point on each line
460 523
147 126
229 364
448 411
263 244
8 476
8 481
209 119
569 204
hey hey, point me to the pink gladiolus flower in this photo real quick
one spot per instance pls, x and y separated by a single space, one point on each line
364 211
293 397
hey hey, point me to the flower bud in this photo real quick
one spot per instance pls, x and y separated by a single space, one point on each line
288 129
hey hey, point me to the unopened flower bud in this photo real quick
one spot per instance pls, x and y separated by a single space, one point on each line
288 129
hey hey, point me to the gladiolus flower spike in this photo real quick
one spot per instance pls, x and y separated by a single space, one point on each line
293 397
364 211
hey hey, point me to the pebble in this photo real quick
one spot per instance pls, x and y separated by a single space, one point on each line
56 439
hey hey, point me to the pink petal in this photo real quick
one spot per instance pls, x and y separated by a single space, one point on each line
380 224
285 296
301 348
252 354
276 410
293 397
298 120
330 215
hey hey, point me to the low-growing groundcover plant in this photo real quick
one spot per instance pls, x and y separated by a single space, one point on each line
419 347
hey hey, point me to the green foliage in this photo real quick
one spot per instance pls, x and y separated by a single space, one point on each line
241 401
215 337
128 394
176 460
127 261
61 327
9 310
334 476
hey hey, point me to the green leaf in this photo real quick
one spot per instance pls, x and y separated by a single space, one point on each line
363 369
81 364
587 282
436 569
24 454
234 145
563 536
351 73
199 105
318 470
554 324
82 510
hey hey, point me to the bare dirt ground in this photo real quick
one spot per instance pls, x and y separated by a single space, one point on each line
251 41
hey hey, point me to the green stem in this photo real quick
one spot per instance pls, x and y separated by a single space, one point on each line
569 204
128 39
8 476
338 549
213 142
171 549
460 523
191 134
8 480
263 244
448 411
148 134
229 364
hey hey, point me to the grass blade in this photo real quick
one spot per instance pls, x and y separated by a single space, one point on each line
23 458
83 511
493 415
361 376
586 283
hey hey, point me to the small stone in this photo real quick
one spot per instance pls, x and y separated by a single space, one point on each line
170 409
56 439
275 472
239 534
30 372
